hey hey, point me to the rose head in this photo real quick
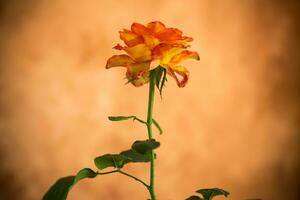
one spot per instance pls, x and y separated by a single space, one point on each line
150 46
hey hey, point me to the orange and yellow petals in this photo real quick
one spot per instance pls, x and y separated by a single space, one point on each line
160 50
140 29
139 53
138 73
187 39
150 41
156 26
180 74
169 34
165 53
150 46
184 55
130 38
119 60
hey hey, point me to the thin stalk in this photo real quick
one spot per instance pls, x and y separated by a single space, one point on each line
149 128
135 178
126 174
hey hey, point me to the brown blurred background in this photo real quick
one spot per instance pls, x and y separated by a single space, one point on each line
235 125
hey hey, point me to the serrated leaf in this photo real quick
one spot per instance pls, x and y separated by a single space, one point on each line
210 193
110 160
144 146
61 188
194 198
157 126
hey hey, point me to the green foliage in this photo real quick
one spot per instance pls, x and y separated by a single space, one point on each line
135 156
139 152
208 194
122 118
157 126
194 198
145 146
160 78
61 188
111 160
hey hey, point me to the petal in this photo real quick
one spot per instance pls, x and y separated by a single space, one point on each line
130 38
140 29
119 60
156 26
118 47
184 55
180 74
150 41
139 53
154 63
169 34
165 52
138 73
180 42
173 36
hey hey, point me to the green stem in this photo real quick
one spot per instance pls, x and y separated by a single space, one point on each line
149 128
135 178
126 174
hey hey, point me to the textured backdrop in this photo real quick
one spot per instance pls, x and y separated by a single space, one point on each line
235 125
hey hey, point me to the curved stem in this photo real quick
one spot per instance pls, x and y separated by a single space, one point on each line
126 174
149 128
135 178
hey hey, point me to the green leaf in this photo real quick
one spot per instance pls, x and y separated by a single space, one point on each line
139 152
135 156
145 146
194 198
111 160
60 190
120 118
210 193
157 126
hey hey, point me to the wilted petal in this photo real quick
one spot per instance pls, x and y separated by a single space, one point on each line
130 38
119 60
180 73
139 53
156 26
184 55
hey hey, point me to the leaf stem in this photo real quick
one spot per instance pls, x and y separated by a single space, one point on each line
137 119
135 178
149 128
126 174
